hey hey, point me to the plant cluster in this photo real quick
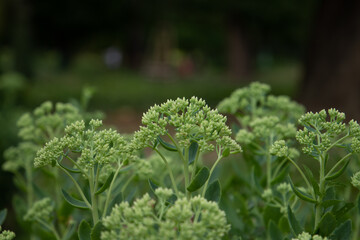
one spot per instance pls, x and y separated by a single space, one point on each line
292 178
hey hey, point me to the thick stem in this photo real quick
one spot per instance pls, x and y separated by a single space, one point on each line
318 207
186 172
29 184
109 190
94 209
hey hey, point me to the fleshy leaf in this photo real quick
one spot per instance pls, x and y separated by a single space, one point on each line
192 151
96 231
105 185
84 231
274 231
327 224
166 145
301 194
74 202
3 214
342 232
199 179
294 224
213 192
339 172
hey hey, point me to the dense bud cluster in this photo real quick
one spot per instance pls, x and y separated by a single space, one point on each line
6 234
41 210
195 219
307 236
95 147
192 120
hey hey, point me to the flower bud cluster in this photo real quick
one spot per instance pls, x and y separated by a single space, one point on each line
280 149
95 147
192 120
6 234
17 157
41 210
307 236
322 128
355 180
180 220
46 121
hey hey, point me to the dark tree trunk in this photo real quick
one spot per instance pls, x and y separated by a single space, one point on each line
332 67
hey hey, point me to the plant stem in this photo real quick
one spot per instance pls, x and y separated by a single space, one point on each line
194 165
29 183
94 210
77 187
169 171
338 164
211 171
321 190
50 228
110 189
186 172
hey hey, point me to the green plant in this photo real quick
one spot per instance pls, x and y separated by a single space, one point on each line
168 180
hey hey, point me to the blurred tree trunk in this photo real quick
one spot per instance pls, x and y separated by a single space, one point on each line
332 67
239 57
22 37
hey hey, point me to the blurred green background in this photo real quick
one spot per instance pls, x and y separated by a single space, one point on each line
135 53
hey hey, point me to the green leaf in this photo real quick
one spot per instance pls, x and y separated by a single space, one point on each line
166 145
327 224
70 232
342 232
329 203
358 203
73 170
226 152
192 151
84 231
280 176
74 202
271 213
213 192
3 214
294 224
117 199
301 194
313 182
153 186
274 231
199 179
105 185
339 172
342 211
96 231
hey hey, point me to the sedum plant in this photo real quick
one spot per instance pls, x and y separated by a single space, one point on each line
297 176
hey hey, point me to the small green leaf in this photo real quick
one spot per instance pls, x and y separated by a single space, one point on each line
342 232
213 192
339 172
73 170
84 231
313 182
301 194
294 224
166 145
3 214
105 185
329 203
192 151
117 199
74 202
199 179
327 224
96 231
271 213
342 211
274 231
226 152
153 186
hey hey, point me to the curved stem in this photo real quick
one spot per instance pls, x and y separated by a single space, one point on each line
186 172
169 171
194 165
77 165
300 171
211 171
338 164
77 187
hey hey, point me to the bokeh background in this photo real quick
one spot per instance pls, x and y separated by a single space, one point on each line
130 54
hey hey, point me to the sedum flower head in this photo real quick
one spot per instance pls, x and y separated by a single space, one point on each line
6 234
284 188
321 129
307 236
355 180
41 210
142 221
18 157
254 101
95 147
46 121
192 120
280 149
